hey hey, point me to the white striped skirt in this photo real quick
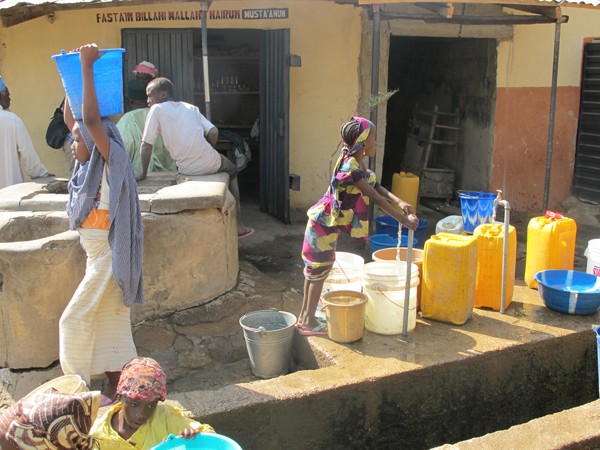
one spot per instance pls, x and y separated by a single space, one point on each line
95 328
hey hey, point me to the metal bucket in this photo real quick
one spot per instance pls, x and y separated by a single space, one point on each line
269 336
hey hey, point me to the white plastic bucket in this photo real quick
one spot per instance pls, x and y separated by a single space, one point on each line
593 257
383 284
450 224
346 273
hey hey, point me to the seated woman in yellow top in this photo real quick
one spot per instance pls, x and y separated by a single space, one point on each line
140 420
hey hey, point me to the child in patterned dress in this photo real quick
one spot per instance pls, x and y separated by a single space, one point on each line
345 207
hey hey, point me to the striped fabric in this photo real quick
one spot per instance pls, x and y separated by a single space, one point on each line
126 236
95 330
51 421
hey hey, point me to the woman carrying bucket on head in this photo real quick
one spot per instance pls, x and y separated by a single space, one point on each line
95 329
344 207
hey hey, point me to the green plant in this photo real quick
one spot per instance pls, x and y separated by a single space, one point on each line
381 97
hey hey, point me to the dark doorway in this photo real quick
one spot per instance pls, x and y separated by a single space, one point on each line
587 161
452 74
249 87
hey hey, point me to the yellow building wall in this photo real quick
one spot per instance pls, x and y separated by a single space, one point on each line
332 83
527 59
323 92
524 78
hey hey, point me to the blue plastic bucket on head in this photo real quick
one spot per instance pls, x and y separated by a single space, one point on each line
379 241
108 79
476 208
204 441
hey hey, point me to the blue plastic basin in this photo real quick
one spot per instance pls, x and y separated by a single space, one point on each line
389 225
204 441
568 291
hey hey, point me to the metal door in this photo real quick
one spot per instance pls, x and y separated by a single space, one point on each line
586 183
274 124
170 50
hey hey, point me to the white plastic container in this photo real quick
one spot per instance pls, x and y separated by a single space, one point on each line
450 224
346 273
593 257
384 283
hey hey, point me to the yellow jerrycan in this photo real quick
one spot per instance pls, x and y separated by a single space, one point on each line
449 270
405 185
490 249
550 245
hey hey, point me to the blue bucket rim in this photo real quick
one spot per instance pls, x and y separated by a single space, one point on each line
386 219
476 195
105 50
172 441
380 239
389 220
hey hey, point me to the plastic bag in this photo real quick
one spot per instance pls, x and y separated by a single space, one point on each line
57 129
553 215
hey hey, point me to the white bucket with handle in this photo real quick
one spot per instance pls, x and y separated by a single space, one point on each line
593 257
384 283
345 274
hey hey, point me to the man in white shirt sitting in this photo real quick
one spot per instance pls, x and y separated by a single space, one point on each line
15 144
189 137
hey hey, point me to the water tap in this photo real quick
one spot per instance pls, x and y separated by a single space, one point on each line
497 200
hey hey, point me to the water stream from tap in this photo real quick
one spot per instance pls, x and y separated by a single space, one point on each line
399 244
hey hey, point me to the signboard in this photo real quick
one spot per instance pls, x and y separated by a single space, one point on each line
213 14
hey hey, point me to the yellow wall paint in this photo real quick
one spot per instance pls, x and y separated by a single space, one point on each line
323 92
526 60
332 83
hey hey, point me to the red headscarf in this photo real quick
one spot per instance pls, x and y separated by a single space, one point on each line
143 379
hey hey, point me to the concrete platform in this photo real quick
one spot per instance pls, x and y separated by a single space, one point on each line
576 428
531 369
441 384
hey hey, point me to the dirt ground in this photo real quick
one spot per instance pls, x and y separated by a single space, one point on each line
275 248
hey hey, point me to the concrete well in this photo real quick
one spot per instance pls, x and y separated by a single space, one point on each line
190 257
41 265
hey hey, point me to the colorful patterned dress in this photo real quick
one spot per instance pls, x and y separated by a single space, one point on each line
344 208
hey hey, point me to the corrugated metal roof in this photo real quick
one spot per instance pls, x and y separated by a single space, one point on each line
576 2
13 12
10 3
496 2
